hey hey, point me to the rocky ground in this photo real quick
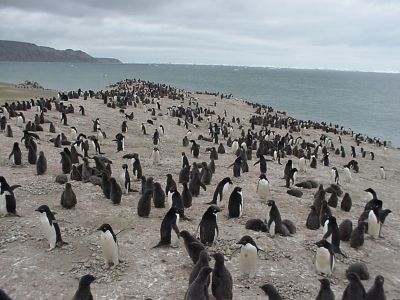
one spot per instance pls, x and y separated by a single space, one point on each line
28 271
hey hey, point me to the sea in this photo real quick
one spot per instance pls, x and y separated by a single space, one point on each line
366 102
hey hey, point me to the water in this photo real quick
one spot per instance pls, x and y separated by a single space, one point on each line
366 102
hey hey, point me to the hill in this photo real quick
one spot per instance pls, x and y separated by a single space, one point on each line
28 52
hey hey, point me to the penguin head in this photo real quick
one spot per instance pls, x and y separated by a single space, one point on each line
313 208
352 276
247 240
379 280
68 186
124 166
271 202
86 280
372 192
219 258
105 227
325 283
213 209
43 209
237 189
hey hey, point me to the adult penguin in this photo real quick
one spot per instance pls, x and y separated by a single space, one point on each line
332 233
109 245
288 167
222 282
291 178
198 289
374 223
355 289
125 179
49 227
84 292
376 292
16 154
193 246
124 127
324 213
325 291
324 258
220 191
185 160
208 226
120 140
170 222
263 190
68 197
248 256
235 204
41 164
195 149
158 196
136 167
8 203
237 166
275 223
312 222
263 164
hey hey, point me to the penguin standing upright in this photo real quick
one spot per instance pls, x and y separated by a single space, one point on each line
185 161
376 292
248 256
263 164
222 282
16 154
170 184
357 236
198 289
120 140
382 172
115 191
374 223
124 127
68 197
235 204
144 204
125 179
193 246
220 191
41 164
8 203
291 177
237 166
49 227
158 196
263 190
271 292
109 245
208 225
335 175
355 289
84 292
313 219
324 258
155 155
170 221
325 291
313 163
186 195
202 261
288 167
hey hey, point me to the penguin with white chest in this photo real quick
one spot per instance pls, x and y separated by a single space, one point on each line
220 191
248 260
7 199
109 244
324 258
382 172
125 179
347 173
263 190
156 156
49 227
374 223
235 205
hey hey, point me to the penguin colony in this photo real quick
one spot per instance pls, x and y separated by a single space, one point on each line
223 222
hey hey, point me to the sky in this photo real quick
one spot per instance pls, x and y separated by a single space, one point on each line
359 35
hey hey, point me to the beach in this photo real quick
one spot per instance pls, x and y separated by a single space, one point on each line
28 271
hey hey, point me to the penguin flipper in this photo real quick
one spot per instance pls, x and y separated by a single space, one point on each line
13 187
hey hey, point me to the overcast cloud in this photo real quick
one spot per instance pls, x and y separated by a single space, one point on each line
336 34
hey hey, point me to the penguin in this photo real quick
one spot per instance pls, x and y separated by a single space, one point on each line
335 175
208 226
374 202
221 149
313 163
156 137
186 195
206 174
235 204
213 154
66 163
170 184
291 178
158 196
382 173
184 174
360 269
156 156
68 197
9 132
374 223
32 158
124 127
248 256
120 139
372 155
96 124
144 204
355 289
357 236
324 258
263 190
331 232
326 160
105 184
185 161
325 291
49 227
376 292
347 173
235 146
4 296
333 200
74 132
8 203
302 164
263 164
222 282
198 289
82 110
271 292
195 149
109 245
203 261
211 166
75 175
312 222
115 191
52 129
346 202
16 154
41 164
257 225
275 223
288 167
237 166
64 119
84 292
345 230
185 141
125 179
193 246
170 221
220 191
143 129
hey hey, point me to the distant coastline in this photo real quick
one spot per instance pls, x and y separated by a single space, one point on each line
14 51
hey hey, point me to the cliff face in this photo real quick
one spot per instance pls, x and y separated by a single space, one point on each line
27 52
